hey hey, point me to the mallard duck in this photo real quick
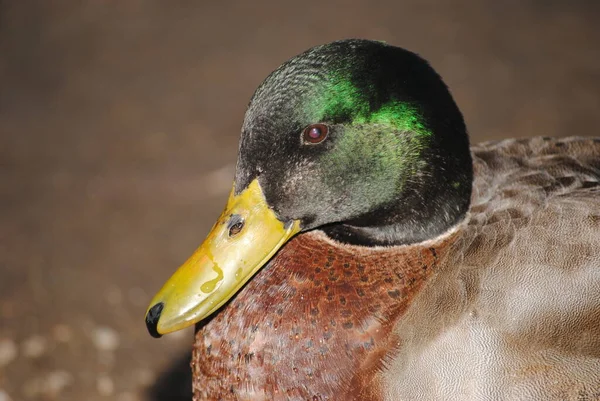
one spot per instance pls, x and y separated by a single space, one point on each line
366 252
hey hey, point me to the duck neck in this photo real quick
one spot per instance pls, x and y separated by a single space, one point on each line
428 208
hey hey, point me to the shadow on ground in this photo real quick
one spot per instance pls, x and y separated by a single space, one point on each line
175 384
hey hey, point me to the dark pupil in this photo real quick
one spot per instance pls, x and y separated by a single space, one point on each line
315 133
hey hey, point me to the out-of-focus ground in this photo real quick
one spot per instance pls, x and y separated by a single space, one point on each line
119 123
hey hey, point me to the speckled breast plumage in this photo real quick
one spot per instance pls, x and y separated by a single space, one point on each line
314 324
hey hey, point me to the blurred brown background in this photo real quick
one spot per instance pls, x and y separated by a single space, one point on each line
119 123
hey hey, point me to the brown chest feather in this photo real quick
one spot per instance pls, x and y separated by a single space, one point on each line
314 324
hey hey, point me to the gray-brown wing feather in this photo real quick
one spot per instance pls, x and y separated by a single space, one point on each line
514 312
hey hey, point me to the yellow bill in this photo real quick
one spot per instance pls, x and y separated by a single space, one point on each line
245 237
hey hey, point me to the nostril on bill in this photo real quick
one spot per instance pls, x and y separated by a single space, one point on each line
235 225
152 318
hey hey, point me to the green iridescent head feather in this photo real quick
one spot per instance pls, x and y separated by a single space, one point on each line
369 149
340 97
395 136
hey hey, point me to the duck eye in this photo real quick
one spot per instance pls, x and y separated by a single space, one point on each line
315 133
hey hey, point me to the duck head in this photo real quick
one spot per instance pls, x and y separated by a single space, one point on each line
357 138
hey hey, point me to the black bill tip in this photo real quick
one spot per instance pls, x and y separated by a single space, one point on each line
152 319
